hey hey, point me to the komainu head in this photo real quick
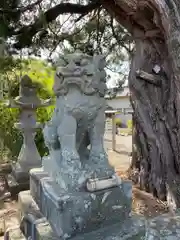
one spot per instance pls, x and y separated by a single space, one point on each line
83 71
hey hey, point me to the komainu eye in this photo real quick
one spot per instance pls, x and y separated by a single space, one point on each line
58 74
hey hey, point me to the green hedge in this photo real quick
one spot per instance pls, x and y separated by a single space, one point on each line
129 124
118 122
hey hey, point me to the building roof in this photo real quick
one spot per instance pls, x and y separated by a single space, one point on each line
115 92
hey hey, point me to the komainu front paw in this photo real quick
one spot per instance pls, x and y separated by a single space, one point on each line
98 153
70 154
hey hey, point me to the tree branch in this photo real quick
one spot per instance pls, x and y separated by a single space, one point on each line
63 37
150 78
26 33
29 7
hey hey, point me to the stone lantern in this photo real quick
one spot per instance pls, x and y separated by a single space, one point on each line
27 102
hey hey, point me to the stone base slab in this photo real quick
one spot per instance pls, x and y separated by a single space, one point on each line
163 227
40 229
14 234
19 174
16 187
79 212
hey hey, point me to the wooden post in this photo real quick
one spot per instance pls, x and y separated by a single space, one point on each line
113 132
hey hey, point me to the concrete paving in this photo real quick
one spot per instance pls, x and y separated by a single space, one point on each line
123 143
119 159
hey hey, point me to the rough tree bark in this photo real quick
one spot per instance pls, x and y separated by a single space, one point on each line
154 25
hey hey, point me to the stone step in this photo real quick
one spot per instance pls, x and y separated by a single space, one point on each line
35 225
28 206
164 227
132 229
14 234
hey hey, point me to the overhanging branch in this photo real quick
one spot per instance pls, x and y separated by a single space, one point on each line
25 34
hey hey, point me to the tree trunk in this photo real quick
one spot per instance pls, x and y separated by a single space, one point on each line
154 82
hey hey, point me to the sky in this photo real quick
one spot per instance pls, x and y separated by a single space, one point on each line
112 82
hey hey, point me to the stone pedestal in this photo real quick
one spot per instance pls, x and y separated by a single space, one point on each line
79 212
54 214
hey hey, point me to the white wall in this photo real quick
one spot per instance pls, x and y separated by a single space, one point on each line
117 103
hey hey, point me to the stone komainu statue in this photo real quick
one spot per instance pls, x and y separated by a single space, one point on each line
79 116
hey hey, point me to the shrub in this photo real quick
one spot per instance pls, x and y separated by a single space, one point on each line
118 122
129 124
10 137
43 116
